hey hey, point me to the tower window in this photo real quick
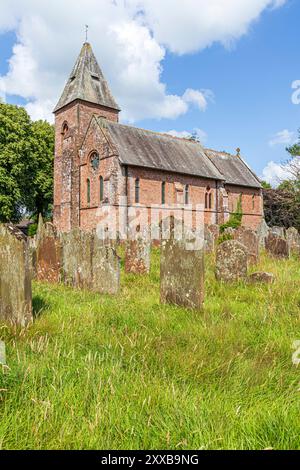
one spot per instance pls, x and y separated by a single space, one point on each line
65 129
101 182
163 192
186 194
88 191
137 191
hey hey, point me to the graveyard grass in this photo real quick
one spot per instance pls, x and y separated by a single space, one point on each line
124 372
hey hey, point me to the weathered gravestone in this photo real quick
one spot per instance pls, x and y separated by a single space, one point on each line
77 258
2 353
277 247
293 239
231 261
249 239
48 254
182 267
209 240
262 233
15 277
138 251
215 230
32 244
105 267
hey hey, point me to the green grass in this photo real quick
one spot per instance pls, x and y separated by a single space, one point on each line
100 372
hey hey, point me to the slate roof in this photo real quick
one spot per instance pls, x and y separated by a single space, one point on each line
138 147
87 82
234 169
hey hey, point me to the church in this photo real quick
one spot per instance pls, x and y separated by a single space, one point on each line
102 163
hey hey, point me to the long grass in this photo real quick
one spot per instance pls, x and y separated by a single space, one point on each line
124 372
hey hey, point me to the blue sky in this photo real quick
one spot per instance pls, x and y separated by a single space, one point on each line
251 82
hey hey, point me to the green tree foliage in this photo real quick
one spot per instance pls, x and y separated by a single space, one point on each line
26 164
235 219
282 205
266 185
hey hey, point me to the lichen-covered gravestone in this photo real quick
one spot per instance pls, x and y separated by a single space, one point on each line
137 252
77 258
48 254
250 240
182 268
231 261
277 247
278 231
261 278
105 267
15 277
293 239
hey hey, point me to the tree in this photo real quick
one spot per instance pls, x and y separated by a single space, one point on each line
26 164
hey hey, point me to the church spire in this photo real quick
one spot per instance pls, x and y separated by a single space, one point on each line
87 83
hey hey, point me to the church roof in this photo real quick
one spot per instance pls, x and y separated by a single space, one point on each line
233 168
138 147
87 82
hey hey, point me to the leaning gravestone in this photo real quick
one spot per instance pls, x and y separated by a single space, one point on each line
293 239
182 267
105 267
15 277
77 258
138 251
277 247
250 240
231 261
48 254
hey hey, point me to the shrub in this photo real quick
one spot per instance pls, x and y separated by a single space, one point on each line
235 219
224 238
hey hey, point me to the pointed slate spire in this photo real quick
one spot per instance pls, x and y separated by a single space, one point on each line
87 82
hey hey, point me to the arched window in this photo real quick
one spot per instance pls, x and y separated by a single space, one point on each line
253 201
65 129
186 194
163 192
88 191
208 198
137 191
95 161
101 188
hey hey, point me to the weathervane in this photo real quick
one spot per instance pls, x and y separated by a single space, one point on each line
86 32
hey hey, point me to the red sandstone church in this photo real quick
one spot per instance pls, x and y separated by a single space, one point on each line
100 162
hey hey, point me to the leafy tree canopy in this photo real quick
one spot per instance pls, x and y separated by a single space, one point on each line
26 164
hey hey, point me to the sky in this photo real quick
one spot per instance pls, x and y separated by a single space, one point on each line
225 69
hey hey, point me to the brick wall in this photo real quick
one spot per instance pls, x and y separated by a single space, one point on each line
252 204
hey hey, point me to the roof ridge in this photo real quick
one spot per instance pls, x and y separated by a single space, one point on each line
154 132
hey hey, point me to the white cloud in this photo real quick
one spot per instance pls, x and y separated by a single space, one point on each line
130 39
275 173
284 137
202 136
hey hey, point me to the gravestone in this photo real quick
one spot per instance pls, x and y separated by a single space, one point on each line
215 230
15 277
209 240
2 353
293 239
105 267
262 233
261 278
182 268
138 251
277 247
249 239
48 254
231 261
77 258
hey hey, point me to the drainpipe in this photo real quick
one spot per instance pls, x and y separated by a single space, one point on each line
217 202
